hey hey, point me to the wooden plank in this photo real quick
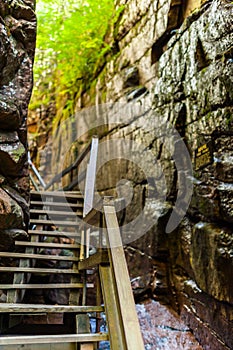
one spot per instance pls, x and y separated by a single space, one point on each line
56 212
87 243
37 270
38 308
54 233
126 300
54 222
57 204
47 245
82 248
115 328
45 286
57 194
83 326
61 346
87 346
37 256
58 338
94 260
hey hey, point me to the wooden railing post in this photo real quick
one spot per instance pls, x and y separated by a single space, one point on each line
91 177
130 323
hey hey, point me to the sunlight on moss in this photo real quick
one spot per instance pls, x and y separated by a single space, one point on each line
70 42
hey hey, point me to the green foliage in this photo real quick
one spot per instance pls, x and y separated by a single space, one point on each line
70 41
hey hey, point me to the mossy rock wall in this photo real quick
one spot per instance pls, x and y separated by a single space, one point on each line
17 44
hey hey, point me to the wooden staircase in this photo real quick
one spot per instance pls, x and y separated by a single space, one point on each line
56 216
51 273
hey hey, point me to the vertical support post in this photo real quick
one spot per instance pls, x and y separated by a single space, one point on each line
90 178
101 227
83 327
127 308
88 233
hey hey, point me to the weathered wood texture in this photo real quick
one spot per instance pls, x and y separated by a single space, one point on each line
54 222
57 204
94 260
83 326
61 346
54 233
43 286
56 212
116 334
47 245
127 308
52 339
38 308
38 256
38 270
58 194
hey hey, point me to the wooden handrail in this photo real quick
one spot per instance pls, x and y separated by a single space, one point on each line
123 325
130 329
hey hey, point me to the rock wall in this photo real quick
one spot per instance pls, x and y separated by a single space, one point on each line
172 65
17 44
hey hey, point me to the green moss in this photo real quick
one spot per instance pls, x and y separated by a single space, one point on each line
17 153
229 119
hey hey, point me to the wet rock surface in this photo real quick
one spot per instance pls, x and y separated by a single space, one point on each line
162 328
17 35
167 74
11 214
17 44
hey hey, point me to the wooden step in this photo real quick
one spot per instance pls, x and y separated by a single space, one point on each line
37 256
54 222
38 270
47 245
57 204
52 339
54 233
46 286
57 212
57 194
38 308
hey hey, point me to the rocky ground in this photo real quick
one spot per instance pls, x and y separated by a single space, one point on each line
163 329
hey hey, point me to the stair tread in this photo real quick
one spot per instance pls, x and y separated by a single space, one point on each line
37 270
45 286
56 212
35 308
37 256
53 233
54 222
57 204
47 245
50 339
62 194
